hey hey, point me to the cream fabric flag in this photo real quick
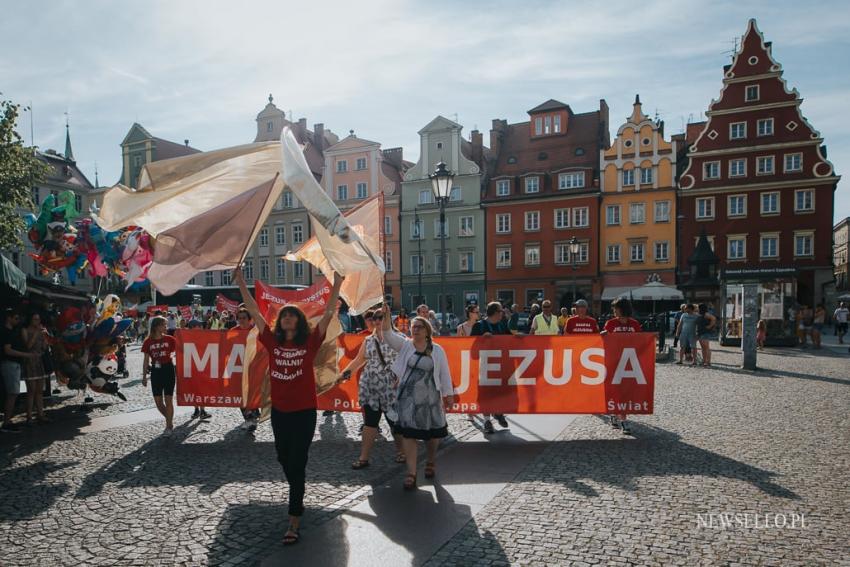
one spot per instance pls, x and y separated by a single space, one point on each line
203 210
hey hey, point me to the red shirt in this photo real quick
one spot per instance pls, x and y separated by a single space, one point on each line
579 324
293 380
616 326
161 349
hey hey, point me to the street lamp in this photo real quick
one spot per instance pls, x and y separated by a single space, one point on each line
441 185
574 248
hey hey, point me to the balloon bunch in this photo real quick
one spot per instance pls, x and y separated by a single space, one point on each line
127 253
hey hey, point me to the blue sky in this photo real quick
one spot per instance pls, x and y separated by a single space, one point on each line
203 70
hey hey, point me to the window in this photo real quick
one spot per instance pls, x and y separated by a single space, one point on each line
612 215
439 145
341 166
804 200
737 247
532 220
711 170
770 246
557 123
388 260
36 197
573 180
388 225
360 164
287 199
637 251
804 243
793 162
583 253
342 192
637 213
208 279
467 228
455 194
78 202
503 223
417 229
264 237
362 191
532 254
280 269
646 176
440 229
705 208
737 167
278 205
247 269
765 127
613 254
662 251
269 126
503 188
417 264
628 177
297 234
532 184
770 203
764 165
562 218
737 206
562 253
137 161
298 270
225 277
503 256
662 211
581 217
425 197
738 130
439 264
538 126
547 124
752 93
264 269
467 262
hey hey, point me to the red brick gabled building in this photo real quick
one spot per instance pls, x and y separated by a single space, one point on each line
543 191
759 184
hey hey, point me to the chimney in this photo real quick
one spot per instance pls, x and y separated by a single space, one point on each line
496 135
186 141
477 147
319 136
302 128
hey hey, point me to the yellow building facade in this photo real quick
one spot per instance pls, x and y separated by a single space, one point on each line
638 213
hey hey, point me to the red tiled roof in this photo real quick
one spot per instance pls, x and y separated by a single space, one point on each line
64 171
166 149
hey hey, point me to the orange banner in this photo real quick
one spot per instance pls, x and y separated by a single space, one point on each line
500 374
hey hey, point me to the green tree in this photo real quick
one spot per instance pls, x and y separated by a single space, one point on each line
20 170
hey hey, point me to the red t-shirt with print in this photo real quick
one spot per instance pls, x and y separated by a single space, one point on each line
628 326
293 380
580 324
160 350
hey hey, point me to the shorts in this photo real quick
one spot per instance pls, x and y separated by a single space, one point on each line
11 372
686 342
162 380
842 328
818 327
371 418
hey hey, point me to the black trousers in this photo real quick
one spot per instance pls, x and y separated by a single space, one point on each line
293 434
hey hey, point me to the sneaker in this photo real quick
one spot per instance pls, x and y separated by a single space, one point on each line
196 414
327 413
627 430
615 423
502 421
121 396
10 428
205 416
252 425
488 426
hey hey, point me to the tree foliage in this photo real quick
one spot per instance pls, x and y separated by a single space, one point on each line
20 170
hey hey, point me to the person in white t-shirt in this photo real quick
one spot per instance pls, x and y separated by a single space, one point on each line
841 316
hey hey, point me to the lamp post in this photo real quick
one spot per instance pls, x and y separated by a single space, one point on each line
419 262
574 248
441 185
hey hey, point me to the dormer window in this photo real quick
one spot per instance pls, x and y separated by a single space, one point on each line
547 124
557 123
538 126
752 93
269 126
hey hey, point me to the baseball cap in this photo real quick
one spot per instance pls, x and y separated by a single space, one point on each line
580 303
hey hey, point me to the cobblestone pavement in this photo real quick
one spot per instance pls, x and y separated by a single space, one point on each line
721 441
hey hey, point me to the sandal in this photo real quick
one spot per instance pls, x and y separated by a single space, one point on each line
429 470
359 464
410 482
291 537
400 458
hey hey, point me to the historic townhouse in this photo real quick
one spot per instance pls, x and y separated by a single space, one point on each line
759 185
638 213
440 141
356 169
841 246
543 192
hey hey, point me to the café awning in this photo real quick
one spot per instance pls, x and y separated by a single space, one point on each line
12 277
